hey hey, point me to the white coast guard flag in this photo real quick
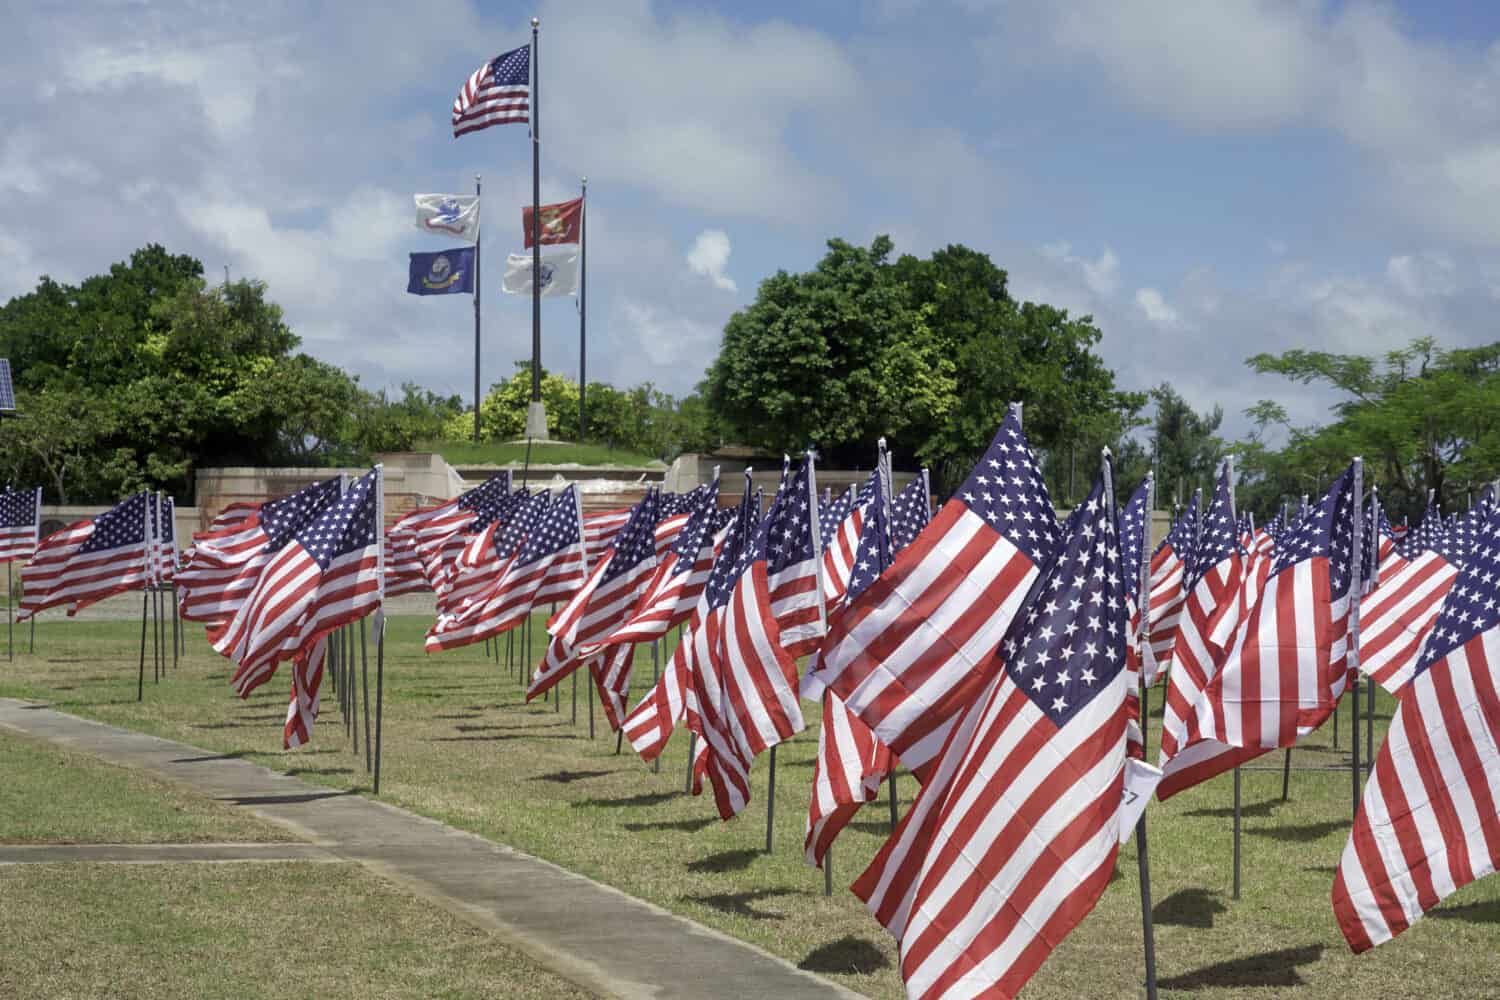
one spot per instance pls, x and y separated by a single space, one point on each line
559 273
454 215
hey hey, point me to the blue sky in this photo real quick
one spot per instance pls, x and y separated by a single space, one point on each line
1207 180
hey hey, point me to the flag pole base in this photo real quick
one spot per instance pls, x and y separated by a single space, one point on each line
536 421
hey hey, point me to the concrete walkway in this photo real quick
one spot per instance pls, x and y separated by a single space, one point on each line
596 936
159 854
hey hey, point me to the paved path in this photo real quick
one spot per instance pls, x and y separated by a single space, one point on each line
596 936
159 854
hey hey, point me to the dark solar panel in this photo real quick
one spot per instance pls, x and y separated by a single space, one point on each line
7 392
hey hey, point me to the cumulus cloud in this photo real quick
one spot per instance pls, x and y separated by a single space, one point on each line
1156 308
709 256
1101 274
1423 274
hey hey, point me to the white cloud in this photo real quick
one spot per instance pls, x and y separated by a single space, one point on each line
1156 308
1102 275
1422 274
709 256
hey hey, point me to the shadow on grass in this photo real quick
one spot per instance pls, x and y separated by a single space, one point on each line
1189 908
741 904
1474 913
503 737
679 825
643 799
568 777
727 861
231 755
319 770
1253 810
1270 968
1303 834
228 725
848 954
878 827
284 800
460 715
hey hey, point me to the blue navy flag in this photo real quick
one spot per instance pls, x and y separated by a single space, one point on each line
446 272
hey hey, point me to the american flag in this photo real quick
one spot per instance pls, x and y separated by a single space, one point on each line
910 511
1168 583
227 563
851 762
1429 823
599 531
840 539
549 566
1013 838
1397 614
426 527
601 605
20 520
668 599
232 515
164 510
470 557
792 555
742 696
1285 669
403 570
650 724
1135 542
89 560
1212 583
497 93
917 646
326 575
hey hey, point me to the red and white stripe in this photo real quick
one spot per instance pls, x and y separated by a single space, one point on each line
302 707
1279 680
519 589
18 542
649 725
850 766
1396 617
222 572
839 555
918 645
1007 847
229 517
742 697
1429 822
1196 658
599 531
57 574
403 570
1168 592
293 603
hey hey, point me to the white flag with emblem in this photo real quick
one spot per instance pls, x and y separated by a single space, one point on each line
453 215
559 273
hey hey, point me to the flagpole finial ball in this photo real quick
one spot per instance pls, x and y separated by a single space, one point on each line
534 22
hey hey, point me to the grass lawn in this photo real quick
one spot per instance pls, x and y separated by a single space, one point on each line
49 794
271 930
461 747
504 453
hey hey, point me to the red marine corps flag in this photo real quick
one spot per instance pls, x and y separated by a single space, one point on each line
560 223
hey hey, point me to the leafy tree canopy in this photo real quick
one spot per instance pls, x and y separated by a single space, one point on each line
928 352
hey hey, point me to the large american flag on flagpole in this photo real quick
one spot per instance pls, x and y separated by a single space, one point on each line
20 518
840 539
1429 821
1168 589
917 646
1397 615
497 93
1013 837
425 528
326 575
792 562
90 560
1135 542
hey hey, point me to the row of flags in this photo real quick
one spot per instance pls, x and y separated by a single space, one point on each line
993 650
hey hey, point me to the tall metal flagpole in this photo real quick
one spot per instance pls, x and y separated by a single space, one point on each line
1356 583
536 245
478 275
583 306
379 619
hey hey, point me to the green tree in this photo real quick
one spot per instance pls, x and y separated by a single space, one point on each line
1188 448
